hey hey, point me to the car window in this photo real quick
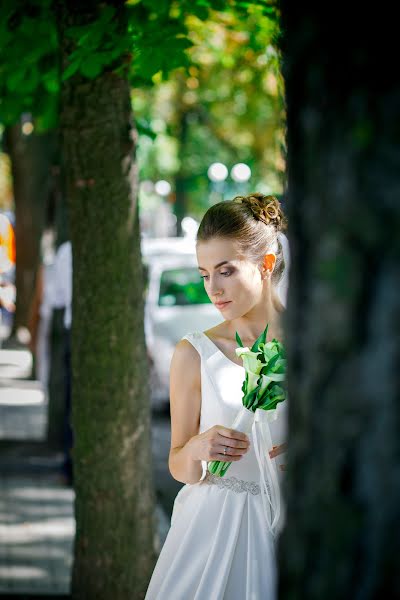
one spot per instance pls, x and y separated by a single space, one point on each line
182 286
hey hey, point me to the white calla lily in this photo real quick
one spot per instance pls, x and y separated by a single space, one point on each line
252 365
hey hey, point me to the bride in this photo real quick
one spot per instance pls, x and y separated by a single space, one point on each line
220 545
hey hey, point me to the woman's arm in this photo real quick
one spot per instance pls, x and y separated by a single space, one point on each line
188 447
185 403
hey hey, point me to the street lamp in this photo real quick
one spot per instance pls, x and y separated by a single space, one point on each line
217 173
240 173
162 187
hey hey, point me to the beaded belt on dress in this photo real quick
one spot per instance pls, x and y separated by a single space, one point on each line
232 483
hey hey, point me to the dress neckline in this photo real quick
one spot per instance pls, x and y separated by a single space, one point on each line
220 351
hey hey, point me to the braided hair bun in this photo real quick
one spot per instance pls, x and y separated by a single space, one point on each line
264 208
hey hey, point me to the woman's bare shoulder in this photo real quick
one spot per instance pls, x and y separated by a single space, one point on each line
185 387
185 349
186 359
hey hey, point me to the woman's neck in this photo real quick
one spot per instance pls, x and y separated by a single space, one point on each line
253 324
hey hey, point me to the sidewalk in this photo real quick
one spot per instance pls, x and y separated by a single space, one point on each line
37 524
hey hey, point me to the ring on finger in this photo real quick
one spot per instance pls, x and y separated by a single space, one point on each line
225 449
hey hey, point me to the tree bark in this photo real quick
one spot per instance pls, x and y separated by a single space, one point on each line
114 551
31 159
342 534
56 382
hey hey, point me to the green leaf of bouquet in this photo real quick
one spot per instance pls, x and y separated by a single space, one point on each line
239 341
249 398
260 340
271 404
267 369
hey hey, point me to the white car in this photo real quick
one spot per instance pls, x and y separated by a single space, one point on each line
176 303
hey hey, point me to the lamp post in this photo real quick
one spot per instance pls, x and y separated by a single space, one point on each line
240 173
217 173
164 225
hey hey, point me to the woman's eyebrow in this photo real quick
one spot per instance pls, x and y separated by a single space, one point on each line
216 266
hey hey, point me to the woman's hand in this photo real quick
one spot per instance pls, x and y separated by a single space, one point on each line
276 450
210 444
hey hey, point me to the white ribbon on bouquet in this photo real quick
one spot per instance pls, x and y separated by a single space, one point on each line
269 482
258 424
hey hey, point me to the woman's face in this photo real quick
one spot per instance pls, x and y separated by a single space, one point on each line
229 277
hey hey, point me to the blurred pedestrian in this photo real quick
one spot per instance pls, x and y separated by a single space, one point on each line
40 314
63 299
7 272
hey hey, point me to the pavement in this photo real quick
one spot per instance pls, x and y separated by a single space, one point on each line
37 525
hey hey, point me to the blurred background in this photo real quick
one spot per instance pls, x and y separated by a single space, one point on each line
209 130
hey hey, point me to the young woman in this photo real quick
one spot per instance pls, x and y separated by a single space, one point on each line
219 546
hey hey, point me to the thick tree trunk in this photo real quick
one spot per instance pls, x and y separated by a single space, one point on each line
31 158
342 535
114 553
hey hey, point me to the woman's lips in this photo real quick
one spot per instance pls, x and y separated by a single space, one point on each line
222 304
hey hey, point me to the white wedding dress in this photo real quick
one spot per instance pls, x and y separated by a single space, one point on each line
219 546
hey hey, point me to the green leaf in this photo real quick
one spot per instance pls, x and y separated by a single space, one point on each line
266 370
260 340
239 341
91 67
50 82
15 79
70 70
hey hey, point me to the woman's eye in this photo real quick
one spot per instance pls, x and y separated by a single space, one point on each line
226 273
204 276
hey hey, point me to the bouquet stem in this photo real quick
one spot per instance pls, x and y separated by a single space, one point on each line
243 422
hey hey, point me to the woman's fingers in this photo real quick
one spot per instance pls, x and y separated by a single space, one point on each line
233 438
234 442
231 451
276 450
227 457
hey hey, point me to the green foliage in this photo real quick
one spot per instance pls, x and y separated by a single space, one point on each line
29 78
97 44
140 39
159 45
152 32
229 101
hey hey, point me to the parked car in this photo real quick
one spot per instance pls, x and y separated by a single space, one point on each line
176 303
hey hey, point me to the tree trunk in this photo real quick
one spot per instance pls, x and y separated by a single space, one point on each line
31 158
56 419
114 552
56 382
342 534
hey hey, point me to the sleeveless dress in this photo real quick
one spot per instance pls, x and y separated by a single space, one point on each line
219 546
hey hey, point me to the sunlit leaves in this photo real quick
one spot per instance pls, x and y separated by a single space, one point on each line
154 35
231 99
28 61
97 44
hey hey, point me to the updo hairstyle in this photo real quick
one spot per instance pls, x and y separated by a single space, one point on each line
254 222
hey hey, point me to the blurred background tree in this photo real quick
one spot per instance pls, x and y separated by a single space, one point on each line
225 106
29 85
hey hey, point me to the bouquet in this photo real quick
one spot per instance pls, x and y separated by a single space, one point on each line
263 388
